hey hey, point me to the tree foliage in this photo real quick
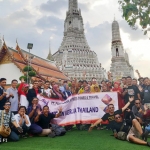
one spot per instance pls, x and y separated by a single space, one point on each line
136 11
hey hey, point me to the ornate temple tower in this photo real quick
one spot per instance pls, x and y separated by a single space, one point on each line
120 65
74 56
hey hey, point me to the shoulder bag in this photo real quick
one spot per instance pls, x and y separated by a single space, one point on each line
122 135
4 131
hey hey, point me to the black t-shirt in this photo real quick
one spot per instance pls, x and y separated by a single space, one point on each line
44 121
131 91
147 94
118 125
2 102
111 118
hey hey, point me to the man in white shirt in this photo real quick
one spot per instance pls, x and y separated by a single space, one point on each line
12 96
22 120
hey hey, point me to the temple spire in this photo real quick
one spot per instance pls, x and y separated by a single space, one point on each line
115 31
73 5
50 57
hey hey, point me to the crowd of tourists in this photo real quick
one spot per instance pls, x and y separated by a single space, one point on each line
22 116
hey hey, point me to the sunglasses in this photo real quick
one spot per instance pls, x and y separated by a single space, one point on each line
137 103
117 117
35 83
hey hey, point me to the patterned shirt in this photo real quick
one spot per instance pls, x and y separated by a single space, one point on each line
6 116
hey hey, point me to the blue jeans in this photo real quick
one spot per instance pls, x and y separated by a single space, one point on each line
25 130
13 136
35 129
147 128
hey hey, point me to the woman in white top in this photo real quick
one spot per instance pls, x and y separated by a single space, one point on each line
22 120
47 91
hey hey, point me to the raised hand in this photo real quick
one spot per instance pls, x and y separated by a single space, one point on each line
140 110
34 106
60 109
137 71
145 107
131 98
39 112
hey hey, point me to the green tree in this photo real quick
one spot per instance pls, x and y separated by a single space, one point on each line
136 12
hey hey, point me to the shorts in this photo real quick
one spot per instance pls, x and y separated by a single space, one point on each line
133 131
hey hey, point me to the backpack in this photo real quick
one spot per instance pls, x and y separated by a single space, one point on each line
58 130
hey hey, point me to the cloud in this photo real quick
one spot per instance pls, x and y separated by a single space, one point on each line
134 34
54 6
99 39
38 21
50 22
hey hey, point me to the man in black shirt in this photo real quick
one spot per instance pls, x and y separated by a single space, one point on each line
110 116
130 90
3 94
43 119
146 90
133 134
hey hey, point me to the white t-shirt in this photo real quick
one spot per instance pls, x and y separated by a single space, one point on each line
47 91
18 118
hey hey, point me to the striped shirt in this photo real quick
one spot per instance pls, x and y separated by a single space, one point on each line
6 116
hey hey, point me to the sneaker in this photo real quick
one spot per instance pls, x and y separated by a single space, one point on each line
52 135
100 128
148 144
144 136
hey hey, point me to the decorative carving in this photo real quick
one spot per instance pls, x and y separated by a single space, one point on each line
6 59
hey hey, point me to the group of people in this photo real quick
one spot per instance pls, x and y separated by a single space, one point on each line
19 105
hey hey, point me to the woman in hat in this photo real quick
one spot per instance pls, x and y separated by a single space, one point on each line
22 91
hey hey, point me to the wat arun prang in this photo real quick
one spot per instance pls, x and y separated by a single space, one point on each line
74 57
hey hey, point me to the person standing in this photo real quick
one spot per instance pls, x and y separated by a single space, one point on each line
67 92
46 91
33 92
3 93
22 91
130 90
146 91
12 95
94 83
118 89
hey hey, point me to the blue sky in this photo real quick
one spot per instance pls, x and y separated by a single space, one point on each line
41 21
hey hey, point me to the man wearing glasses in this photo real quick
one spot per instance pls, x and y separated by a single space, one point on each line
133 134
110 116
139 110
8 117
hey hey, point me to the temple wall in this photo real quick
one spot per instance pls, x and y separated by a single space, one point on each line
10 72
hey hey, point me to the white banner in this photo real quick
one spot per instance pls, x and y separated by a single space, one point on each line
83 108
